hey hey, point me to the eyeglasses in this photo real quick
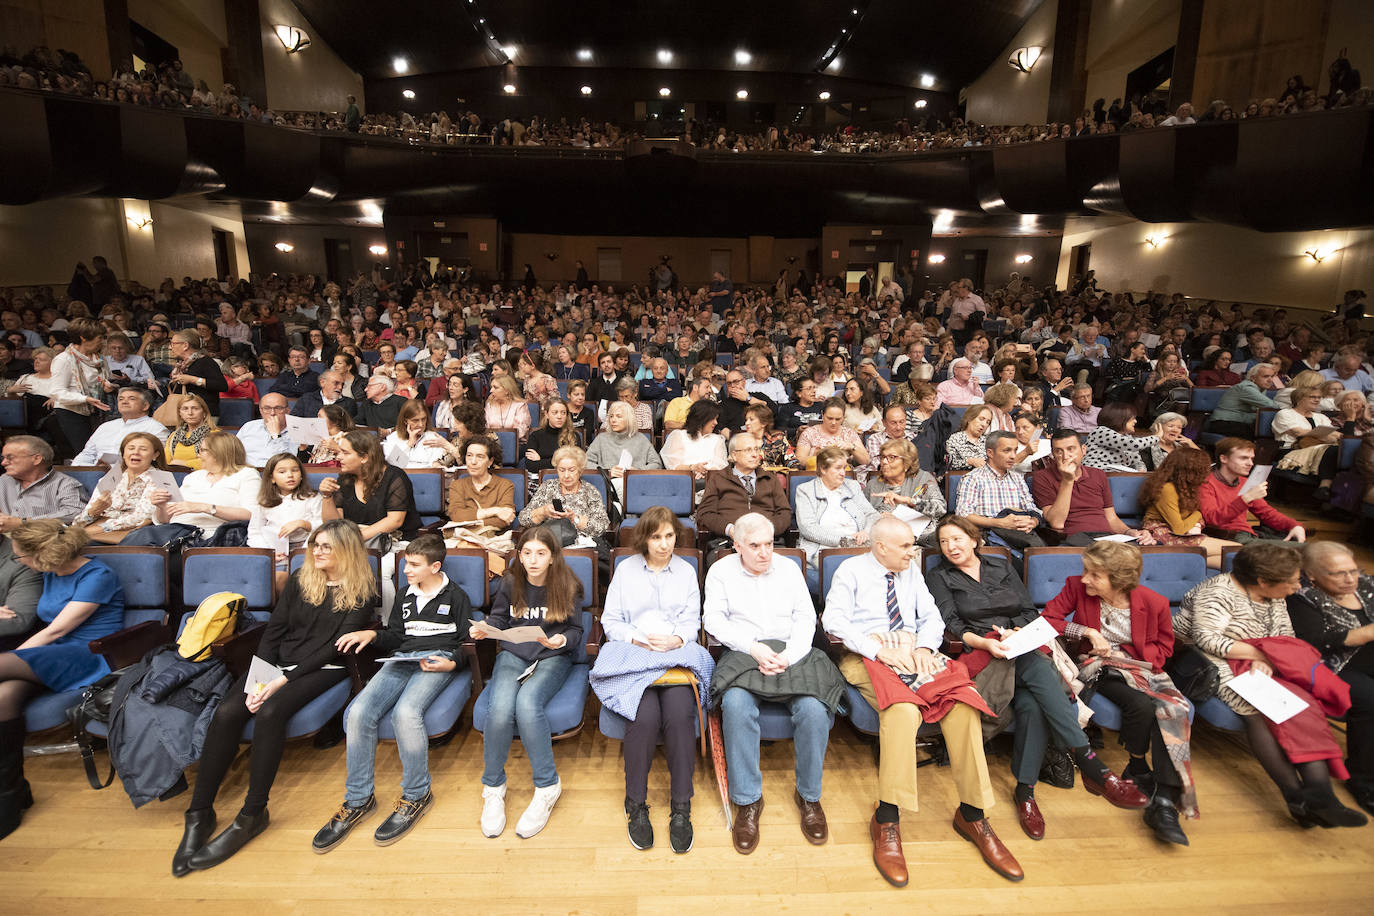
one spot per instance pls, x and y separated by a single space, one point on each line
890 458
322 547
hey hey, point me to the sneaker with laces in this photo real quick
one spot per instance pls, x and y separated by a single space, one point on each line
334 832
406 814
640 830
536 816
680 827
493 810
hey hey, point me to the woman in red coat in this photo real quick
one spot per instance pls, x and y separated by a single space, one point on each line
1124 634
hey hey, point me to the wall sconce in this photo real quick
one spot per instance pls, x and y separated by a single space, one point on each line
551 255
284 247
140 222
1024 259
1316 254
1154 241
1023 59
936 259
921 103
291 38
378 250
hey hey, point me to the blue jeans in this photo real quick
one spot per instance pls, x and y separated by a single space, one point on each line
811 734
405 691
521 704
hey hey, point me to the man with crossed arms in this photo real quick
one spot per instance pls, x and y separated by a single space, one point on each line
879 607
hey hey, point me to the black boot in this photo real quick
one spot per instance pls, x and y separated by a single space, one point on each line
1325 810
200 826
231 840
14 789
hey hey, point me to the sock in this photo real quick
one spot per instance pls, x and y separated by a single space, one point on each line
1023 792
1089 763
252 810
970 813
1137 767
887 813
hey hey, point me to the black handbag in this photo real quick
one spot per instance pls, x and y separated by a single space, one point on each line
1194 676
94 706
1057 768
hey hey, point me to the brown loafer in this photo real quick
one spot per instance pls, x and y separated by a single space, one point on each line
998 857
887 852
812 820
1032 821
745 832
1118 791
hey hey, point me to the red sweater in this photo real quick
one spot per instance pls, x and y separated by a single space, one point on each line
1223 508
1152 629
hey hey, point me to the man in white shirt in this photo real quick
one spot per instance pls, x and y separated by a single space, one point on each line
879 607
752 600
133 405
762 382
267 437
1184 115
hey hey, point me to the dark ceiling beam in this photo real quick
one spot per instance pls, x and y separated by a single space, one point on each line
1069 66
1185 54
242 59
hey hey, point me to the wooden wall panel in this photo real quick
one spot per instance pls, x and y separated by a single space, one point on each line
1247 49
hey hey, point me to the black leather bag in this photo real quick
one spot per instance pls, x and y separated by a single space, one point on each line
1194 676
94 706
1057 768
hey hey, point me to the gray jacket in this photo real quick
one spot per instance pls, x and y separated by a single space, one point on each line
20 588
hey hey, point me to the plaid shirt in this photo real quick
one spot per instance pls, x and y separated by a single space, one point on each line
983 492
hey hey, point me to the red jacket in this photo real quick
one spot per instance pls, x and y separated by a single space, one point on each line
1223 508
1152 628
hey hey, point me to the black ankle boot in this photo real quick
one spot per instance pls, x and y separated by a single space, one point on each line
14 790
230 841
1326 810
200 826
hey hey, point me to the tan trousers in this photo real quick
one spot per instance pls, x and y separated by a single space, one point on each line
897 727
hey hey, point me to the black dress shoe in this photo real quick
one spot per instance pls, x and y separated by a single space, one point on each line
1162 818
200 826
231 840
406 815
344 820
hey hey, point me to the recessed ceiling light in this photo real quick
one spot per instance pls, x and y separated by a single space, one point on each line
400 64
584 53
665 92
665 56
743 57
586 90
408 93
509 51
835 64
825 95
927 80
920 103
742 94
510 88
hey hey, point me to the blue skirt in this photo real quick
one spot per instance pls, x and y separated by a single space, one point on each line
65 666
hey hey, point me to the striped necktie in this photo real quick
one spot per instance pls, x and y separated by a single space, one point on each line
894 613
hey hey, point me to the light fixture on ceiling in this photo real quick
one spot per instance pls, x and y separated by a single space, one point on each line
825 95
742 94
936 259
921 103
142 222
1154 241
400 64
927 81
509 51
1316 254
1024 259
291 38
378 250
284 247
665 92
408 93
509 88
743 57
584 53
665 56
586 90
835 64
1023 59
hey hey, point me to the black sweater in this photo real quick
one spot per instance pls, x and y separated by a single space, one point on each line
503 617
999 598
545 442
440 625
303 634
215 383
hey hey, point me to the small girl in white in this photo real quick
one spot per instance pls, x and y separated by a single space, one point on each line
288 510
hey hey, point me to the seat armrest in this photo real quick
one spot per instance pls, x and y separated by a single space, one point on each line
595 638
130 644
361 666
469 649
237 651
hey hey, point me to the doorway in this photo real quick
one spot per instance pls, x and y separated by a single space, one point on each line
1079 255
973 265
338 260
223 243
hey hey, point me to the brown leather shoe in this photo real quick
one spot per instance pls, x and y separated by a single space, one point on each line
1116 790
812 820
1032 822
998 857
887 852
745 833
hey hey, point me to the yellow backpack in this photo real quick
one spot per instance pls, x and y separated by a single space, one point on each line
216 618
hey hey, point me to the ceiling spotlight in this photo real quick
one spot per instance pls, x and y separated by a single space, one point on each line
665 92
509 51
509 88
291 38
378 250
834 64
742 94
825 95
921 103
743 57
665 56
284 247
408 93
400 64
1022 59
853 12
584 53
586 90
927 80
936 259
1024 259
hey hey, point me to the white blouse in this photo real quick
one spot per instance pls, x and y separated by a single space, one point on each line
265 522
239 491
400 453
682 451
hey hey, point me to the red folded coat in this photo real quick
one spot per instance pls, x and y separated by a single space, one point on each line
934 698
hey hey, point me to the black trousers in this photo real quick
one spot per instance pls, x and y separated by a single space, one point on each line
269 737
1359 722
672 713
70 430
1231 428
1139 727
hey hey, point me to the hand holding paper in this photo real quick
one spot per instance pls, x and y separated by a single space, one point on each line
1032 636
513 635
260 674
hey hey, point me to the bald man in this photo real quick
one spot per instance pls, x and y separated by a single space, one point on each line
267 437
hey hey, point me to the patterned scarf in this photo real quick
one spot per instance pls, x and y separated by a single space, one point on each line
190 437
87 372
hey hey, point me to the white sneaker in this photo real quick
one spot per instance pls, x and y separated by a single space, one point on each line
537 814
493 810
